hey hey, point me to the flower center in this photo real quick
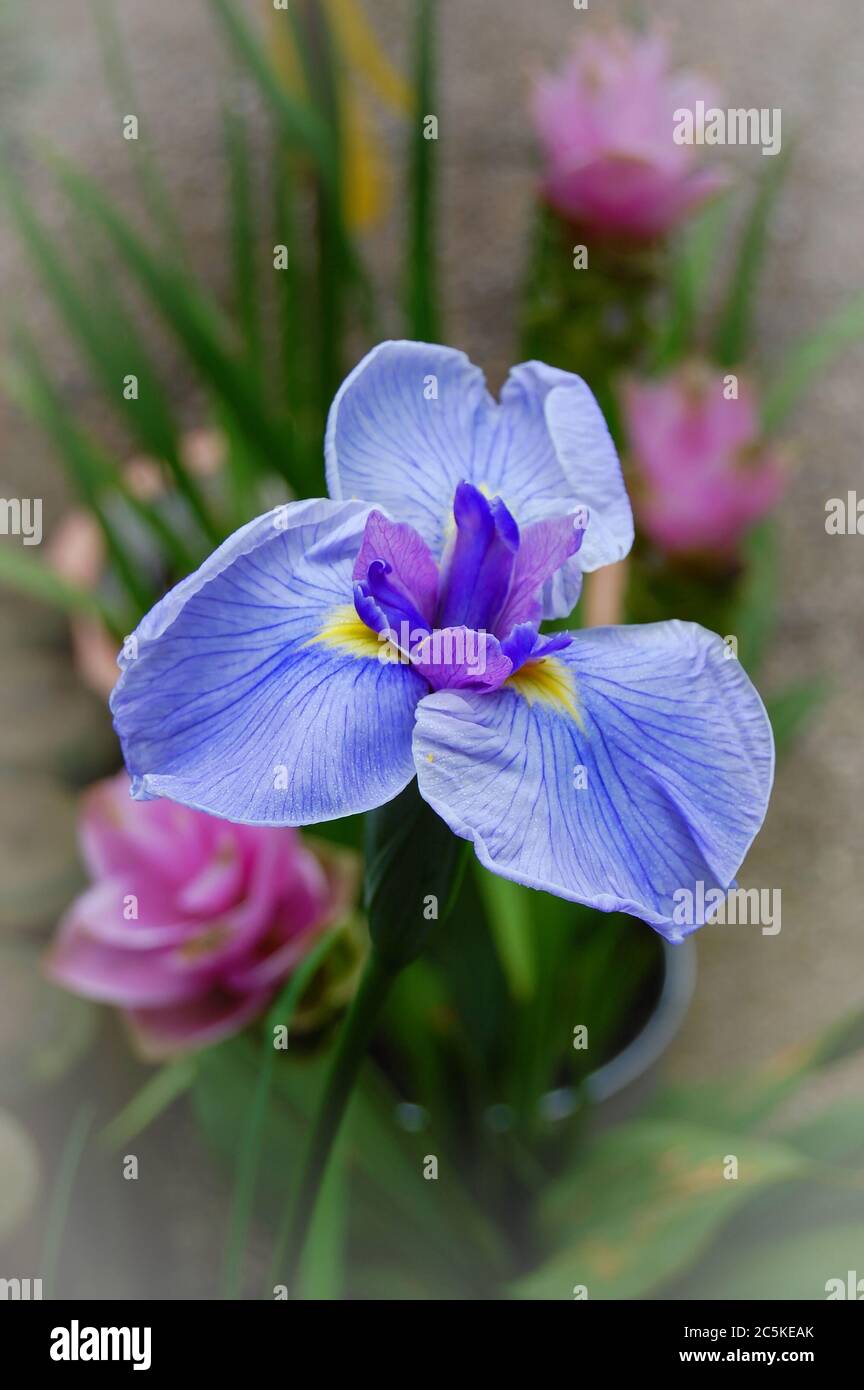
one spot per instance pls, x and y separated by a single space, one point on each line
478 568
474 622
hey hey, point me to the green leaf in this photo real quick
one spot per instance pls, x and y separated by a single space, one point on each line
249 1153
96 475
414 864
810 357
390 1199
756 600
835 1135
58 1207
333 266
99 324
692 261
126 102
23 572
159 1091
792 707
733 334
151 420
508 907
89 469
301 125
744 1101
796 1267
322 1268
195 322
241 216
310 129
45 1031
644 1202
422 297
19 1173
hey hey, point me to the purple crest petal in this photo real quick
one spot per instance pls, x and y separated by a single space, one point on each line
409 557
461 658
544 547
480 563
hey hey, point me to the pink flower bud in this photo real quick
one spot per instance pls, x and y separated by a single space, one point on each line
605 123
192 923
701 475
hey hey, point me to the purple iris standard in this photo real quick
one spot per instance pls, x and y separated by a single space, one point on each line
332 650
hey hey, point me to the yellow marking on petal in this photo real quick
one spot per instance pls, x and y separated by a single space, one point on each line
547 681
345 630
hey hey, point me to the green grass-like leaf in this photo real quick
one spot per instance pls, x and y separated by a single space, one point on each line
810 357
251 1141
195 323
300 124
89 469
691 263
26 574
64 1181
756 600
126 102
790 709
158 1092
100 326
95 475
732 338
422 294
645 1200
243 235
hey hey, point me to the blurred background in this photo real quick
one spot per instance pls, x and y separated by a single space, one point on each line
756 995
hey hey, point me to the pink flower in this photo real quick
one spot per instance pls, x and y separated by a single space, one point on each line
606 123
192 923
702 474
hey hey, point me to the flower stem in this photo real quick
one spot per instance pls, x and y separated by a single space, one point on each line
413 864
350 1053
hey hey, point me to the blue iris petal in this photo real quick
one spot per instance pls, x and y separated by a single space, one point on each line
233 703
659 783
413 419
402 431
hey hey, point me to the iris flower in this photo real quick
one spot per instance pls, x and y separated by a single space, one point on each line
334 649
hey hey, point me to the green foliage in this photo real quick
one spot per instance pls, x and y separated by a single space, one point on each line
691 261
755 600
734 330
791 708
645 1200
413 860
46 1032
249 1155
810 357
267 376
19 1173
161 1089
788 1267
648 1209
422 294
29 576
